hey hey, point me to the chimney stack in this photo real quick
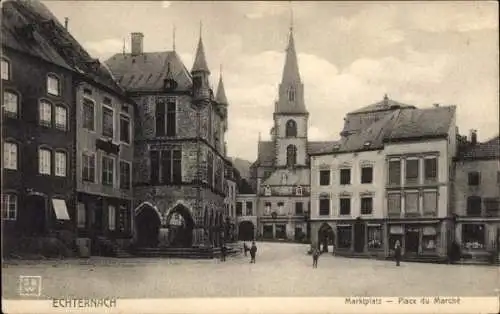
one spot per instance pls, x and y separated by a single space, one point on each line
66 20
137 44
473 137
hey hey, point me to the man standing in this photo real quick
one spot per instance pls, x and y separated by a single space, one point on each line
397 252
223 253
253 251
315 255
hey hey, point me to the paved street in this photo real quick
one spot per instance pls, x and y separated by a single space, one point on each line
281 270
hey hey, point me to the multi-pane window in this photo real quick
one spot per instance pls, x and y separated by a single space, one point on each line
53 85
108 167
299 208
345 206
5 70
374 237
324 177
166 166
88 114
9 206
111 217
394 204
239 208
11 104
345 176
88 167
395 172
10 155
492 206
249 209
411 171
45 113
430 169
474 206
124 175
411 202
324 205
124 129
473 236
430 202
367 174
61 118
107 121
60 164
344 237
171 117
267 208
366 205
474 178
44 161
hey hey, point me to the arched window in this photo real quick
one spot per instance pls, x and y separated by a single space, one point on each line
291 128
291 94
291 155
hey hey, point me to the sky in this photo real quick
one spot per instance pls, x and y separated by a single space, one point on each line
350 54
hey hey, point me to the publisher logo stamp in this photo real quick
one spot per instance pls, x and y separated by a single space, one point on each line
30 286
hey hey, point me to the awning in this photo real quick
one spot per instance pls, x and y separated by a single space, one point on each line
429 231
60 209
396 230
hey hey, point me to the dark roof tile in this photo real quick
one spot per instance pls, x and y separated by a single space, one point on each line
486 150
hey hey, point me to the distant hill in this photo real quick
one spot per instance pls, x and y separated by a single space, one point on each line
242 165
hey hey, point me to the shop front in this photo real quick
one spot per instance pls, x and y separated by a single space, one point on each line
360 238
416 239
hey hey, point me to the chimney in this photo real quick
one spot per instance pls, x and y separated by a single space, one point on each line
137 39
66 20
436 105
473 137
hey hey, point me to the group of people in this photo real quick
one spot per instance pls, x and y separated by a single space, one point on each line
252 250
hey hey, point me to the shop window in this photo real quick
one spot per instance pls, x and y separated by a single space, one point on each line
473 236
393 238
267 231
344 234
375 237
429 238
281 231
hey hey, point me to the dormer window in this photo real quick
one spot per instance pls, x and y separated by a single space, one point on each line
53 85
298 191
291 94
267 191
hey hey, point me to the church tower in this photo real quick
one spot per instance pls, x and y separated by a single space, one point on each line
290 114
200 74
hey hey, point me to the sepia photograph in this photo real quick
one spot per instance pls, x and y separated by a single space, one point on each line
250 156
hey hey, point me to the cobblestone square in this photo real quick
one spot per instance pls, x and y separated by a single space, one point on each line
281 270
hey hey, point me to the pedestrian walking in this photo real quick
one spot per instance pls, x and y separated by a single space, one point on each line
315 255
397 252
223 251
253 251
245 248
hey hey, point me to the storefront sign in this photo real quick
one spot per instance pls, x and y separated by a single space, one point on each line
429 231
396 230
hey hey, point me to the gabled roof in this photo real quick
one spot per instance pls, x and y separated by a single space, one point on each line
320 147
385 104
422 123
50 41
146 72
486 150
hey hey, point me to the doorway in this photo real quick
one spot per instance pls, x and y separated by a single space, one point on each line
359 236
246 231
37 209
326 237
147 221
412 240
180 227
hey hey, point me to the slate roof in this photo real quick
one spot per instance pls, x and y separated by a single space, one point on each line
200 61
383 105
220 96
422 123
486 150
147 71
51 41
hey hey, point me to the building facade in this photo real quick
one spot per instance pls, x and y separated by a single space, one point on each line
389 179
246 216
38 130
477 196
281 171
180 150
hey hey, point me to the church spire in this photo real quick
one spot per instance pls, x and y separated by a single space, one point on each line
200 62
220 97
291 69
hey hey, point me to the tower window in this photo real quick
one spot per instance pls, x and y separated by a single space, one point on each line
291 155
291 94
291 128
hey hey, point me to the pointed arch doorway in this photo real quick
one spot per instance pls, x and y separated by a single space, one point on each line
180 226
147 223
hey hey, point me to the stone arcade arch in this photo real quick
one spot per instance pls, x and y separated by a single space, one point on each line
246 231
326 237
180 225
147 224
